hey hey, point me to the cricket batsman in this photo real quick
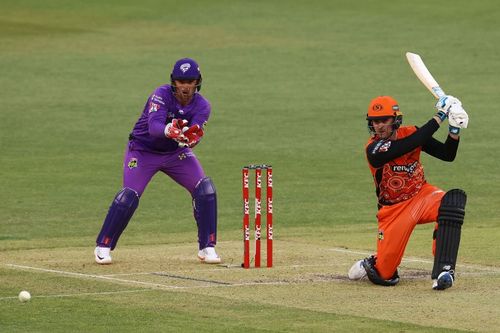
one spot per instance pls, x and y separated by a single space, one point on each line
170 125
405 199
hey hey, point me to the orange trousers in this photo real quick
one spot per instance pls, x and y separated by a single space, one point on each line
396 223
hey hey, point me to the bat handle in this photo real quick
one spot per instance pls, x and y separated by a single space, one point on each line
438 92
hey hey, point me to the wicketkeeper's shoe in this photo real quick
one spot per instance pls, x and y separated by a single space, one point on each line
444 281
209 256
102 255
357 271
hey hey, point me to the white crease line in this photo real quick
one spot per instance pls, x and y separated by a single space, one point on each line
412 259
156 285
82 294
93 276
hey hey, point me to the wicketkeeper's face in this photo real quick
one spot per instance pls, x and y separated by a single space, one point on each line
383 127
184 90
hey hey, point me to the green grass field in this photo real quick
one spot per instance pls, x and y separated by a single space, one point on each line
289 83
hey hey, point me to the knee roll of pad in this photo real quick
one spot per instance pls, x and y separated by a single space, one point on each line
452 207
204 187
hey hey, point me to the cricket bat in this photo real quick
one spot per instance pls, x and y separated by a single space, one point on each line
424 75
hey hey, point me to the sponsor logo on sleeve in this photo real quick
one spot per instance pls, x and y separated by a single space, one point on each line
381 147
153 107
157 99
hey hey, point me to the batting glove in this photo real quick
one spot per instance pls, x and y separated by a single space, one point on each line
457 117
445 102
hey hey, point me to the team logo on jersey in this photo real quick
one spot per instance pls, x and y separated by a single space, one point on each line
183 156
153 107
181 111
185 67
132 163
380 235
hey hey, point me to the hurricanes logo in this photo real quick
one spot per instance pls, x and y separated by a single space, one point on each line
185 67
380 235
183 156
132 163
377 107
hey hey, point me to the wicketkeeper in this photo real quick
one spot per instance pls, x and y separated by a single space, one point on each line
405 199
170 125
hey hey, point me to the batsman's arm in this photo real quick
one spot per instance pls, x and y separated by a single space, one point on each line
446 151
383 151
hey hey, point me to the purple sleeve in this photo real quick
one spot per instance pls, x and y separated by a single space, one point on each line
157 114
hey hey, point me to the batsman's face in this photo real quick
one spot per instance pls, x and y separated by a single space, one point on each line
383 127
184 90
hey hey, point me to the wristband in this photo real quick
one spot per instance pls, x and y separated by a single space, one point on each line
441 115
454 130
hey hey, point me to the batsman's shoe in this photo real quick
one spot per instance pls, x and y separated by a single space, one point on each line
444 281
209 256
102 255
357 271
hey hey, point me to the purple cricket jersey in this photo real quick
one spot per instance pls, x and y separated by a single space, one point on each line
161 107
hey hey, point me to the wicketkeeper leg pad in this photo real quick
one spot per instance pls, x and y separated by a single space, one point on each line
119 214
205 212
373 275
450 219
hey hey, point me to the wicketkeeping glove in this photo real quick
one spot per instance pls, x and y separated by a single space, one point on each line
192 136
173 130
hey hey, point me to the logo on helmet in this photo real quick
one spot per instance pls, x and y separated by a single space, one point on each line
185 67
377 107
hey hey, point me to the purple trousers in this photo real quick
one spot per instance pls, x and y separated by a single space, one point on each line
140 166
138 169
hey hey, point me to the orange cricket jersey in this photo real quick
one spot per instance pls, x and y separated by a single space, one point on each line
403 177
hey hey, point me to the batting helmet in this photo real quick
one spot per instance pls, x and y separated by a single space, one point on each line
384 107
186 69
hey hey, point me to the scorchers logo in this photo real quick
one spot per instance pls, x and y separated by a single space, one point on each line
409 168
